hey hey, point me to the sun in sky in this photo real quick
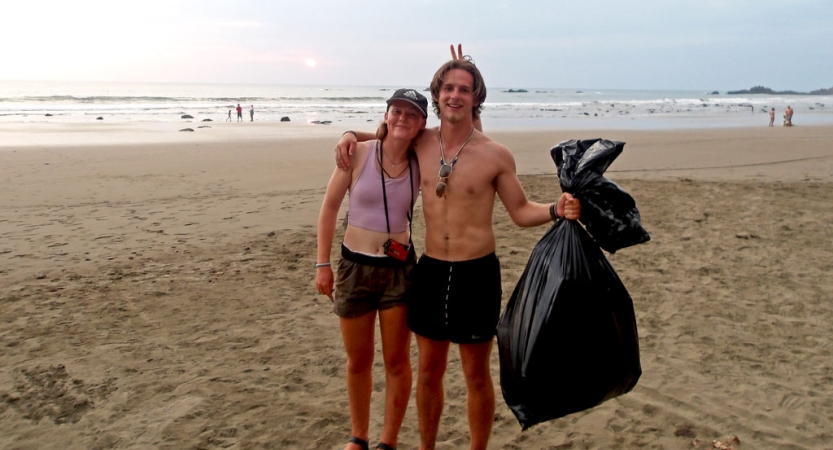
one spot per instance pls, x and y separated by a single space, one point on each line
310 62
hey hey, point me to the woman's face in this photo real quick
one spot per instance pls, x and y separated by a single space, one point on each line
404 120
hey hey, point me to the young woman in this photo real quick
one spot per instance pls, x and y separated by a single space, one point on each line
376 260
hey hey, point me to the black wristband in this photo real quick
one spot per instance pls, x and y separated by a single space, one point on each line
351 132
553 212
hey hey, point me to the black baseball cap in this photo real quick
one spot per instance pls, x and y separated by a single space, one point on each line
411 96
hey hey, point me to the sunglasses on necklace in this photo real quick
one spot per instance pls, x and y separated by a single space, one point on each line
444 173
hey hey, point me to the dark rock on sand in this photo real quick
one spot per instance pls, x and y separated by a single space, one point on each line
99 118
187 129
207 120
284 119
48 115
186 116
203 126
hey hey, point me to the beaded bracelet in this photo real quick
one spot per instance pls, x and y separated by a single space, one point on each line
351 132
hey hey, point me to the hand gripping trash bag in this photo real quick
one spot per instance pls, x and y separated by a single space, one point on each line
567 338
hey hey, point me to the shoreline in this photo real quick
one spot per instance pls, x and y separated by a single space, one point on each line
38 134
354 106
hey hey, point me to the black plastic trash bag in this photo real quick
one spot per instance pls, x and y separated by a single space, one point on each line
608 212
567 338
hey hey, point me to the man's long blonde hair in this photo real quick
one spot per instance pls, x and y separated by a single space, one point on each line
479 86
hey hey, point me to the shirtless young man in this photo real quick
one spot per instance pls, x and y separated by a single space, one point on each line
457 290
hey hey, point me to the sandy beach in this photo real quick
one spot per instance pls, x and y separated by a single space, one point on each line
157 291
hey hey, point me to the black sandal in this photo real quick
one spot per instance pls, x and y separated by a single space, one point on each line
383 446
360 442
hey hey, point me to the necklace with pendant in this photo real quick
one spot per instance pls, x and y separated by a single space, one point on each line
442 151
394 164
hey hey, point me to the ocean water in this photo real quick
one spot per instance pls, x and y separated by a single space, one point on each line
71 102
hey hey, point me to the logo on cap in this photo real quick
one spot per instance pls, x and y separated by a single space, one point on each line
410 94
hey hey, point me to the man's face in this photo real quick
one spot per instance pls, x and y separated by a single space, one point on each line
456 96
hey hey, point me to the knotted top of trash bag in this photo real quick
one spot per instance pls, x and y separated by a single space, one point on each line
608 212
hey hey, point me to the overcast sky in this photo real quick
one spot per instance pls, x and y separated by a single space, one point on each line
606 44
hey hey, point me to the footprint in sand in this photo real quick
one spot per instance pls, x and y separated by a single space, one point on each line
791 401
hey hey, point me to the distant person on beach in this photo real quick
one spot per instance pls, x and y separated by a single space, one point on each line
772 117
239 113
788 116
229 116
377 259
252 113
456 292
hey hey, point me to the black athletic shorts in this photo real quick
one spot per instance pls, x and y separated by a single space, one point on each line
455 301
